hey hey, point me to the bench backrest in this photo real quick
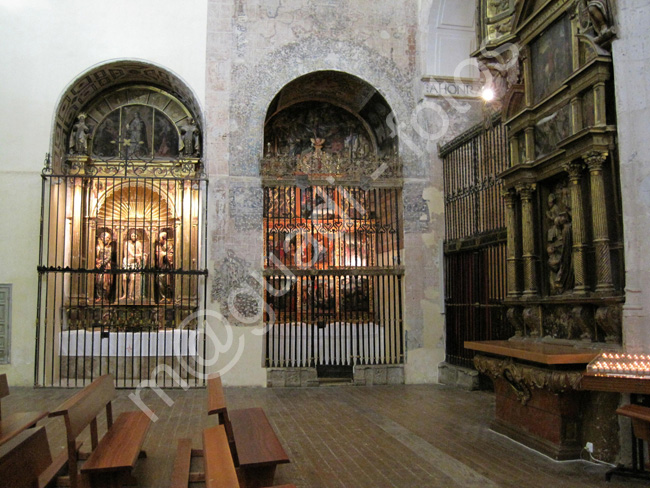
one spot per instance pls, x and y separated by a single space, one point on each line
219 467
216 398
81 410
24 458
217 405
4 390
84 406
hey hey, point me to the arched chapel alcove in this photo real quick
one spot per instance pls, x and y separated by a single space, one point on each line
122 269
333 238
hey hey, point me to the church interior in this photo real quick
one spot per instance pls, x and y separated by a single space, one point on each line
320 243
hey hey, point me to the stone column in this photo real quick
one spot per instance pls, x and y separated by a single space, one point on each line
511 245
595 161
526 192
577 227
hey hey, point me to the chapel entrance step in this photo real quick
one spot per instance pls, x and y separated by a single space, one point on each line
334 381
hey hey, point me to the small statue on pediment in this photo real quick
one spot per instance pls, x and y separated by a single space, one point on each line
189 141
597 22
80 136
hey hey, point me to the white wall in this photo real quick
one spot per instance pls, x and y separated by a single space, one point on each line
450 37
44 46
631 66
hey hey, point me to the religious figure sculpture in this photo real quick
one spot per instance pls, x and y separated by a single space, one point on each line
79 136
189 141
597 23
104 262
164 252
559 246
133 260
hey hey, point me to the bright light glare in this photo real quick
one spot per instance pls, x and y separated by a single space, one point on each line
487 94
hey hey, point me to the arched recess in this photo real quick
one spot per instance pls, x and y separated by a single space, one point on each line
332 226
104 78
122 267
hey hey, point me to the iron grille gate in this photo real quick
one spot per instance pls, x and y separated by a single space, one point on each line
475 239
121 277
334 270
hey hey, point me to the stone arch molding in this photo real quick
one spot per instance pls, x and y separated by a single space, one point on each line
109 75
257 86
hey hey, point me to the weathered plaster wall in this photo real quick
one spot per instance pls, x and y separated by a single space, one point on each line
254 49
272 43
631 60
44 47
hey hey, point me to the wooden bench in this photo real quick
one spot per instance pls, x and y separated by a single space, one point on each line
113 457
219 467
15 423
26 461
255 448
640 416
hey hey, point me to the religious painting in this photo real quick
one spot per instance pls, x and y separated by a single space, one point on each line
137 122
282 296
281 203
165 138
106 140
551 130
355 291
552 61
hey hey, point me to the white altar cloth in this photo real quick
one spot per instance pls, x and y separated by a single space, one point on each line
337 343
173 342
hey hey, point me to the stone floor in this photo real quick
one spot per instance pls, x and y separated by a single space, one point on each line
353 437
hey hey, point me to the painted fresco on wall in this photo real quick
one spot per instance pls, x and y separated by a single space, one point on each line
551 59
310 126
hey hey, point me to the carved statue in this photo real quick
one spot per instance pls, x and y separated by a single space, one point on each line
133 260
104 261
599 15
559 247
496 7
164 252
596 16
79 136
189 141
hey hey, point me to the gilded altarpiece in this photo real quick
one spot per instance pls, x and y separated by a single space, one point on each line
121 270
565 244
332 240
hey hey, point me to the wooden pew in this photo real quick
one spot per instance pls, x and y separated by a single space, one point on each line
640 416
256 449
26 460
219 468
15 423
114 456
